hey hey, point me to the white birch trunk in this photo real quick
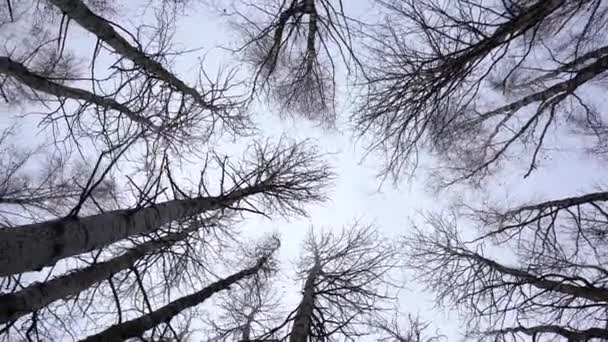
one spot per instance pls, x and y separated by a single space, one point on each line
39 295
31 247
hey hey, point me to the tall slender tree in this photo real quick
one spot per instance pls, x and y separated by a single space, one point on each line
435 68
107 263
283 177
105 32
346 283
472 83
174 251
129 93
296 49
39 295
553 286
247 312
138 326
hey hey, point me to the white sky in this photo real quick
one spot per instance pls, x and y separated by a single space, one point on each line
357 193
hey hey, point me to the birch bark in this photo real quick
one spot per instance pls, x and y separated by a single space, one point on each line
31 247
39 295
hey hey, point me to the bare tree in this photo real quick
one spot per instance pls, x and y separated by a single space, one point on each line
106 265
136 99
553 285
39 295
116 273
138 326
79 12
148 265
37 182
291 49
412 330
41 82
477 82
284 177
346 283
246 312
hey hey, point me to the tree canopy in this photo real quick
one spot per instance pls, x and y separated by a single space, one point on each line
198 170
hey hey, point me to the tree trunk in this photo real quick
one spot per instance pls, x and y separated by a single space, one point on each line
564 286
138 326
39 295
563 203
31 247
101 28
566 87
303 318
311 50
37 82
517 26
569 333
246 331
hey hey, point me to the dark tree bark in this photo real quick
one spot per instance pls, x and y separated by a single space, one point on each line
31 247
303 320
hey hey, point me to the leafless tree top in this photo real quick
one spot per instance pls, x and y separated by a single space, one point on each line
549 281
296 49
410 330
476 82
128 91
346 282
